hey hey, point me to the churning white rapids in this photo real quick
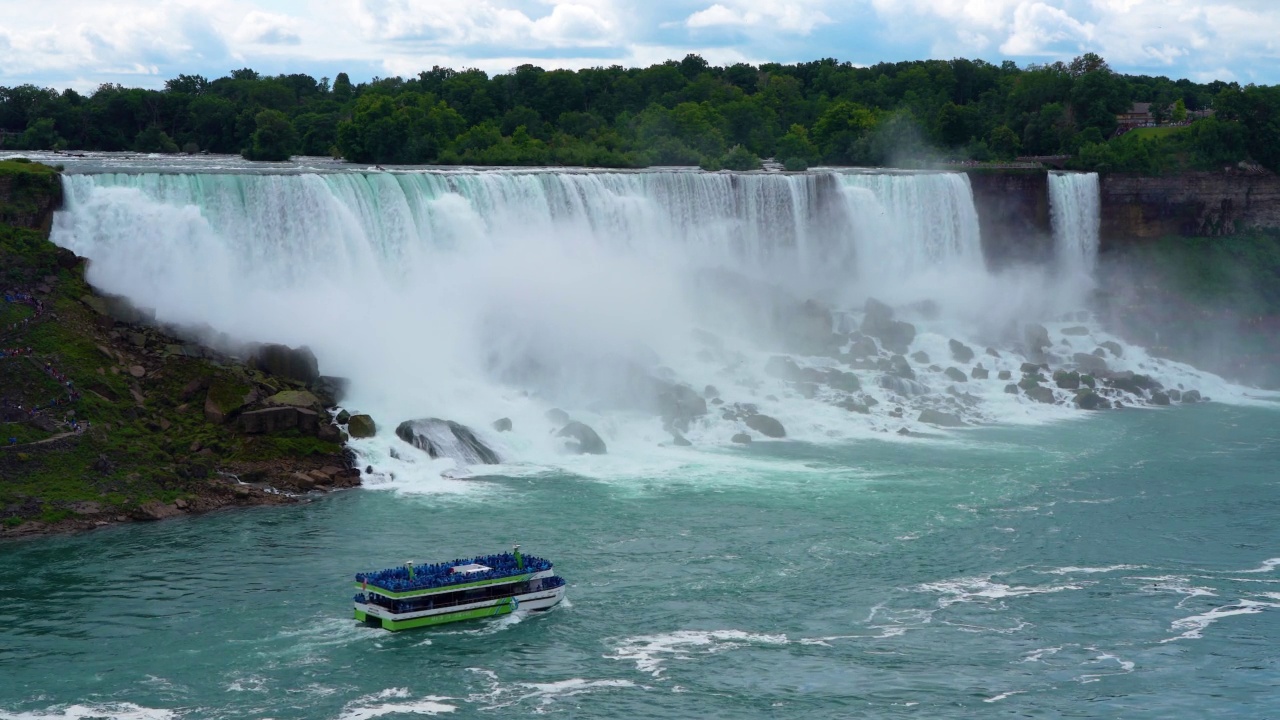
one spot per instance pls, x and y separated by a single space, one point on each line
651 306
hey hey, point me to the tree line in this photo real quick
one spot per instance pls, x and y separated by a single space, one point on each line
685 112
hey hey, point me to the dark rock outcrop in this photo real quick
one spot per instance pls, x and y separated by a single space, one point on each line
939 418
296 364
895 335
582 439
960 352
362 426
956 374
447 439
765 425
502 424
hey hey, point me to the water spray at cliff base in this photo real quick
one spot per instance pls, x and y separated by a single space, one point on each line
654 307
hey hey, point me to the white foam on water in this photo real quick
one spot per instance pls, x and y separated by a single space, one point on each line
982 590
1073 570
1125 667
1003 695
650 652
1193 627
108 711
377 705
1267 566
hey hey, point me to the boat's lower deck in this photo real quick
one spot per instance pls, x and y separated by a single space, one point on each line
384 617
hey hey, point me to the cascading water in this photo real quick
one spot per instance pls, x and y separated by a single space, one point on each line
1075 208
472 296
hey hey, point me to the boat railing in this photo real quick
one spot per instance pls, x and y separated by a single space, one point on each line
548 584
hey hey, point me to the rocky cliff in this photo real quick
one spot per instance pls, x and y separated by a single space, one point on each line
106 417
1191 204
1013 210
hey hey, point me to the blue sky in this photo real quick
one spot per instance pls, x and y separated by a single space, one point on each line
82 43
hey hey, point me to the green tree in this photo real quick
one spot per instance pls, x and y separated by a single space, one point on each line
154 140
273 139
796 145
1179 111
740 158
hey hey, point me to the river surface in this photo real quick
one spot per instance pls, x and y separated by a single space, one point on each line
1121 565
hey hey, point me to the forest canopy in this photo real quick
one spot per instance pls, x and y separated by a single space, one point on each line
685 112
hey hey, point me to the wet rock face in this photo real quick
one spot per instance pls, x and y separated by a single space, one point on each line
298 365
960 352
447 439
895 335
939 418
361 426
582 440
765 425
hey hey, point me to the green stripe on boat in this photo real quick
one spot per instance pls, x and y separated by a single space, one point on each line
503 608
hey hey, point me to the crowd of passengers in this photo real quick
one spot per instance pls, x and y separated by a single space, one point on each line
398 579
459 598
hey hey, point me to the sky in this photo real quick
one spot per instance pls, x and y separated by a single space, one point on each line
141 43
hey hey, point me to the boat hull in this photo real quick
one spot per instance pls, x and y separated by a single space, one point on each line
381 617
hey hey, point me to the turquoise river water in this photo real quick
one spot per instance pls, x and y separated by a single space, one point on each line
1121 565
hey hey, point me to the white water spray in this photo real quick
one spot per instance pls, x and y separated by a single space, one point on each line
1075 207
472 296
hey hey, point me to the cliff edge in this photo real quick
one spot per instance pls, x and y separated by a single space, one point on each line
106 417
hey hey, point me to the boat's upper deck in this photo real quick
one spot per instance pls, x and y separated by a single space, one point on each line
425 579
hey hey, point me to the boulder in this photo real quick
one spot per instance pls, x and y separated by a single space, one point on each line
679 440
1087 399
582 439
447 439
710 392
1159 398
1030 368
992 352
1191 396
894 335
939 418
1004 375
1040 394
295 398
765 425
309 421
156 510
1131 382
854 406
863 346
330 390
898 366
137 371
342 418
224 399
1114 347
502 424
921 357
328 432
961 352
362 426
1067 380
1036 338
1089 363
956 374
1011 389
741 439
1175 395
678 405
979 372
193 388
296 364
1076 331
269 420
557 417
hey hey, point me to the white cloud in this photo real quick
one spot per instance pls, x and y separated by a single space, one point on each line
1038 28
268 29
460 23
794 16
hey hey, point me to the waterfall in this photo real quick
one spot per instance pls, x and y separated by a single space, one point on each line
616 297
1076 212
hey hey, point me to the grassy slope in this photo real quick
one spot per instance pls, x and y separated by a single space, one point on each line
145 436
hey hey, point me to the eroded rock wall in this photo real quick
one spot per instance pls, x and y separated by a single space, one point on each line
1194 204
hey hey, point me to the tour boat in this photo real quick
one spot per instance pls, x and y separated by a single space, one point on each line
413 596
